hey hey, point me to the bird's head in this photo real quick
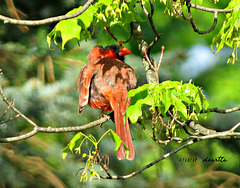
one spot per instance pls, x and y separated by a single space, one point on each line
116 51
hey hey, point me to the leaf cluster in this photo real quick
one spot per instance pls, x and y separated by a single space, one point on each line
76 144
103 13
229 35
185 100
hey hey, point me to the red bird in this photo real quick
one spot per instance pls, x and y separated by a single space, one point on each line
103 83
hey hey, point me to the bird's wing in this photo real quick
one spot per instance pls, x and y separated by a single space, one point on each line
84 82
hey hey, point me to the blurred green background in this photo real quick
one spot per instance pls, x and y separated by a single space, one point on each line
43 83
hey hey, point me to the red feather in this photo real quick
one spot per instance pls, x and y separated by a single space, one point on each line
104 83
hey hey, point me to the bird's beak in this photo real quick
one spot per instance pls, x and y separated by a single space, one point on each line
124 51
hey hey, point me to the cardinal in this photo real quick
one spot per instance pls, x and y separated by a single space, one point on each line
103 83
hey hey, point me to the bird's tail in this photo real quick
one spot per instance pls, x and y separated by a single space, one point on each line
123 130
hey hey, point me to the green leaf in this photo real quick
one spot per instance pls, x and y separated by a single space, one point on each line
198 101
141 97
75 28
76 138
180 107
65 152
71 145
116 139
166 99
229 34
66 29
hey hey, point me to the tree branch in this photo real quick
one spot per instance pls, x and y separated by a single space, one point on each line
15 109
115 38
150 15
226 135
194 26
206 9
143 47
38 129
226 111
47 20
114 177
9 106
235 127
230 134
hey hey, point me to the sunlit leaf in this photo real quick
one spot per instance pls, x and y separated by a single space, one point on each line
116 140
76 138
65 152
229 35
183 99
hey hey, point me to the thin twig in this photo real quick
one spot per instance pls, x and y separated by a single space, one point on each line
111 34
220 135
150 19
156 66
194 26
163 124
206 9
176 120
150 164
202 8
74 128
235 127
9 106
103 167
15 109
115 38
10 119
173 119
226 111
165 142
193 139
154 42
161 57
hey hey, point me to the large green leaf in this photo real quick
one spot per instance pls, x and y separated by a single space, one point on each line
103 13
117 140
140 96
72 28
72 144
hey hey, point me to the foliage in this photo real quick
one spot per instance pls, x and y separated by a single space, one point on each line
108 14
55 104
229 35
186 100
93 157
103 13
